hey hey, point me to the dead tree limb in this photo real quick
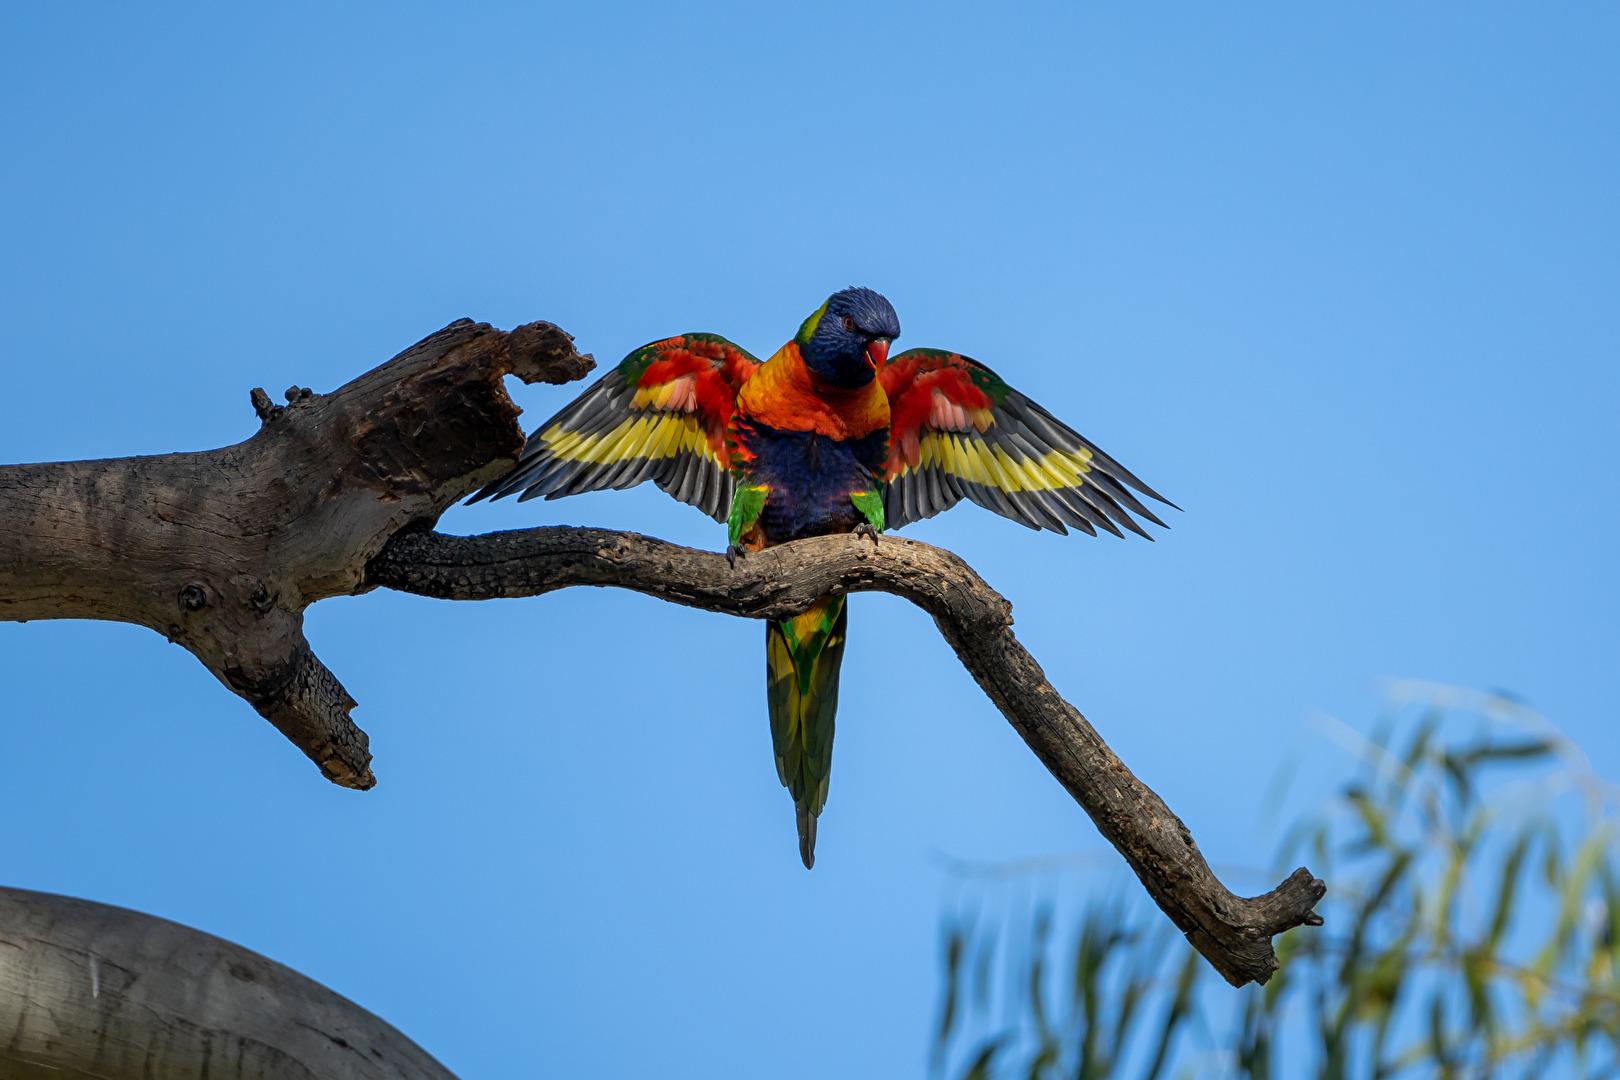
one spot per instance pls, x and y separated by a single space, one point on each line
336 494
94 992
1233 932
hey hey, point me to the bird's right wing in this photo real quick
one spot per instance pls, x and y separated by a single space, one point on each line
662 415
958 431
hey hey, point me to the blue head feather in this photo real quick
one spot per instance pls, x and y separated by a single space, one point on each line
849 322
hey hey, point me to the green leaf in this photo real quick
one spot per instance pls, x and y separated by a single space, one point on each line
984 1061
956 942
1507 885
1508 751
1181 1007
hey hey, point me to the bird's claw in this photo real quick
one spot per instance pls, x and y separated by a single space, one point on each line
733 553
866 528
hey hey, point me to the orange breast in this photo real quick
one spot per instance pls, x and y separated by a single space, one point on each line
786 395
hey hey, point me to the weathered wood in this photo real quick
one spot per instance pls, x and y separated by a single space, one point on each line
94 992
222 551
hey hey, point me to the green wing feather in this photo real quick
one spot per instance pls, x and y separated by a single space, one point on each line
802 658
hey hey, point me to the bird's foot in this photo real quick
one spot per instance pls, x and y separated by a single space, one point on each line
735 552
866 528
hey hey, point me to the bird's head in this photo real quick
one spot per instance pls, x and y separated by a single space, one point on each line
847 339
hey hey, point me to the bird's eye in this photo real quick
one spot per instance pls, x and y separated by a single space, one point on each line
849 322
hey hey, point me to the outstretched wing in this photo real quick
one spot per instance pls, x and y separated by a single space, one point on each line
957 431
661 415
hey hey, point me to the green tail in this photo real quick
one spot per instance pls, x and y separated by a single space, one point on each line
802 657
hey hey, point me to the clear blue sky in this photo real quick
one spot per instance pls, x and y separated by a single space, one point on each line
1344 282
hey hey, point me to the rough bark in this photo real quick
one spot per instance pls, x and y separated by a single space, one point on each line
93 992
336 494
222 551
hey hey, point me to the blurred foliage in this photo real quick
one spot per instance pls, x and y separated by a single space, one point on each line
1472 930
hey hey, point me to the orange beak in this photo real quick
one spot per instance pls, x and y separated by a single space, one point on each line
877 353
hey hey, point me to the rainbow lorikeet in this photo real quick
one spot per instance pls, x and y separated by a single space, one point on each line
830 435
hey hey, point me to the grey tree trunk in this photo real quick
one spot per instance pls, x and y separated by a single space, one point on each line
94 992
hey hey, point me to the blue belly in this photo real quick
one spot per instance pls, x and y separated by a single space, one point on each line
811 478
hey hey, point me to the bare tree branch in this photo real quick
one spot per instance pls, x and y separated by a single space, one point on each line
1233 932
222 551
94 992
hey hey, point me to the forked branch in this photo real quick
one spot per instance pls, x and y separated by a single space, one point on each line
222 551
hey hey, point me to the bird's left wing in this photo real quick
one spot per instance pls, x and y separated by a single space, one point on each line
662 415
958 431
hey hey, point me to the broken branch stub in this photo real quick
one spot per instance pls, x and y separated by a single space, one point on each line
221 551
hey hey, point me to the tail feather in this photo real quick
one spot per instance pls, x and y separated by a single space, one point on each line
802 657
